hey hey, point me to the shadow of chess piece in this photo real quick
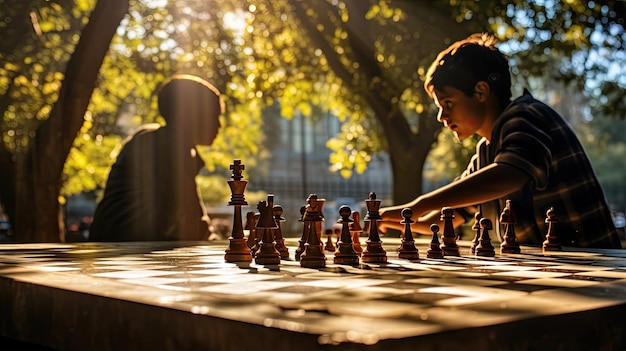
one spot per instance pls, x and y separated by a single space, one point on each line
238 250
355 231
448 238
266 230
374 252
330 246
313 255
345 253
435 250
484 247
304 236
253 241
476 228
507 218
552 242
279 239
407 248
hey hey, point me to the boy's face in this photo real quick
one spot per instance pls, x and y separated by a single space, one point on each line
463 115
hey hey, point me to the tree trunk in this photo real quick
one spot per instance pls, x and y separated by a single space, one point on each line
39 172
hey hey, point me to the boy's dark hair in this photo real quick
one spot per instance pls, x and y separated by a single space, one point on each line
184 90
467 62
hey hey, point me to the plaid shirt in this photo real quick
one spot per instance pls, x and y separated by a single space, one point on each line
532 137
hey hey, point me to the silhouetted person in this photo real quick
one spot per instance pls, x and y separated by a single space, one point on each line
151 193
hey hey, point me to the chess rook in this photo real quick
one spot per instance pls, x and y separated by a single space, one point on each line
266 229
448 238
238 250
313 254
435 250
374 252
552 242
507 219
407 248
345 253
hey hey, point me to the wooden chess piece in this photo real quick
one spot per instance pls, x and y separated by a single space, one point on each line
552 242
279 239
266 229
345 253
304 236
252 242
448 238
476 228
356 230
435 250
313 255
374 252
238 250
407 249
507 218
330 247
485 248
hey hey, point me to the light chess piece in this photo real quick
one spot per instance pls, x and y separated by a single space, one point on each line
476 228
552 242
238 250
374 252
407 249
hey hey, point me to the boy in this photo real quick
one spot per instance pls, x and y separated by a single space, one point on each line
151 193
527 154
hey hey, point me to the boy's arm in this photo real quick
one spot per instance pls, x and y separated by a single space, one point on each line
490 183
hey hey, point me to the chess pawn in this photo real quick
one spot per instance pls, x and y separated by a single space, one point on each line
266 229
313 254
253 241
476 228
407 249
552 242
509 244
374 252
304 236
485 248
435 250
448 238
238 250
330 247
355 231
345 253
277 212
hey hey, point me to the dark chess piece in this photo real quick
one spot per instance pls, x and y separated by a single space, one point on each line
304 236
238 250
313 255
345 253
330 247
355 231
507 218
484 247
476 228
253 241
407 249
448 238
435 250
266 230
374 252
279 239
552 242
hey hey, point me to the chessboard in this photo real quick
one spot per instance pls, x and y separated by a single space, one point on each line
527 300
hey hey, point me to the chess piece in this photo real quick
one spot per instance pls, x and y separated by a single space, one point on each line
355 231
304 236
252 241
484 247
435 250
278 238
345 253
330 247
313 255
552 242
407 249
476 228
374 252
448 238
507 218
238 250
265 230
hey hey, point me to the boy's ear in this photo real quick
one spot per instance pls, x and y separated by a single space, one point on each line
482 91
